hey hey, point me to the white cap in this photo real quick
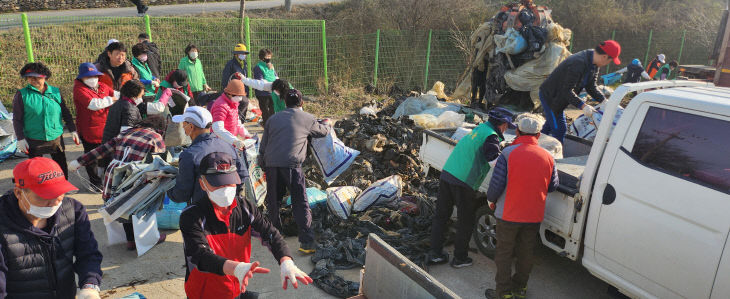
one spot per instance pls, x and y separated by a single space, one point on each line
111 41
529 123
661 58
196 115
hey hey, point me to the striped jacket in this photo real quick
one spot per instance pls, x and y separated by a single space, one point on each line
523 176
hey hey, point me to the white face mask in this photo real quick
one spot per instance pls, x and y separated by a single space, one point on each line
92 82
222 197
138 101
193 55
237 99
242 56
42 212
142 58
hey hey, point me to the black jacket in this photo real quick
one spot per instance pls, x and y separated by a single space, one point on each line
568 79
40 263
286 136
633 73
153 58
121 113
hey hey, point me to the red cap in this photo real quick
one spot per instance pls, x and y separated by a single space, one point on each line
612 49
43 176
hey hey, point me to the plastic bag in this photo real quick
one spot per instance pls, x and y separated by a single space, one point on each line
340 200
450 119
381 192
256 182
552 145
511 42
332 156
426 121
369 110
438 91
8 142
175 135
460 133
315 197
169 216
414 105
584 127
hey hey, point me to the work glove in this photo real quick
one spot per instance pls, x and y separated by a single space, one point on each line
289 271
74 165
22 146
244 271
588 110
88 294
75 137
239 144
492 205
117 94
155 83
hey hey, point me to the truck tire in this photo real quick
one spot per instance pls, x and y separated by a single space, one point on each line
485 231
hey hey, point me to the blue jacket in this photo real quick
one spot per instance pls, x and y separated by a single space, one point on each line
187 187
232 66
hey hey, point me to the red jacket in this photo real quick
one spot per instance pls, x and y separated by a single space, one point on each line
226 110
90 124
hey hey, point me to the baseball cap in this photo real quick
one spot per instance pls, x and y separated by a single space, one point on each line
662 58
196 115
530 123
240 49
111 41
43 176
88 69
612 49
502 115
219 169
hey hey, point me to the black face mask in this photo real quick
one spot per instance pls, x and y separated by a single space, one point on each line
267 60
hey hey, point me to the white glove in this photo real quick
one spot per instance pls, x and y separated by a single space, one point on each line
22 146
155 83
75 137
244 271
74 165
588 110
88 294
117 94
238 143
289 271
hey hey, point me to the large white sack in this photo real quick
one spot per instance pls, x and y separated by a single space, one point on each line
583 126
332 156
381 192
340 200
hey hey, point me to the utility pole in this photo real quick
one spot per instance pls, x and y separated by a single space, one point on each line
287 5
241 12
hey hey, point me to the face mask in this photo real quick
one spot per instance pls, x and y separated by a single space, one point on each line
222 197
193 55
267 60
142 58
242 56
91 82
138 101
42 212
237 99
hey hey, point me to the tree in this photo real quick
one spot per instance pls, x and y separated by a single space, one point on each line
287 5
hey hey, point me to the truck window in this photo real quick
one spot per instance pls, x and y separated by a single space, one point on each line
688 146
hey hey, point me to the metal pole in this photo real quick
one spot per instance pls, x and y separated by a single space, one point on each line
26 34
571 42
613 37
241 13
377 57
247 26
681 47
648 47
428 60
324 56
147 26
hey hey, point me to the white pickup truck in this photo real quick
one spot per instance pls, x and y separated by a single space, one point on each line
646 206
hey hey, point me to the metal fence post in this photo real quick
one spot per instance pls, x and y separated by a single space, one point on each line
377 57
681 47
247 25
648 47
608 67
572 35
428 60
324 56
147 26
26 34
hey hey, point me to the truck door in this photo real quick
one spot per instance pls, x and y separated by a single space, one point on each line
663 222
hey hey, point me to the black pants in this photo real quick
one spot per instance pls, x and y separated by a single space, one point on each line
278 179
128 231
55 148
91 168
464 199
266 103
518 241
478 85
140 5
243 109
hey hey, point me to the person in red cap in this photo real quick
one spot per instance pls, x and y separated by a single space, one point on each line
45 237
570 77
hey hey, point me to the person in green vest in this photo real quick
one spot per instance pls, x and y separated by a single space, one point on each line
38 111
464 171
139 62
194 68
665 70
264 70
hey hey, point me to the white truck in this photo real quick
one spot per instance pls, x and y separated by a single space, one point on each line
646 206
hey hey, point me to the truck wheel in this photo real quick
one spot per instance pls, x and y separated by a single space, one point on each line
485 231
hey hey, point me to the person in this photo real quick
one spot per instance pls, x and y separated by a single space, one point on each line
196 122
634 72
139 62
117 70
464 171
92 100
522 178
101 55
275 89
264 70
282 151
46 238
217 233
141 8
653 67
173 91
124 114
665 70
39 112
131 145
153 54
226 123
194 68
237 64
577 72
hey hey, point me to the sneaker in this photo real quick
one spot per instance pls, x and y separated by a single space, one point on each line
162 238
437 258
459 263
492 294
520 293
307 248
131 245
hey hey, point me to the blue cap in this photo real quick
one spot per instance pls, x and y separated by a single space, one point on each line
87 69
636 61
502 115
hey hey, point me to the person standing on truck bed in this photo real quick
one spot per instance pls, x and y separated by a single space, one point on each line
459 183
522 178
577 72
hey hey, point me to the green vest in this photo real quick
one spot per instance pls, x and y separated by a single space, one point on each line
279 104
42 113
466 162
144 74
269 74
194 69
658 74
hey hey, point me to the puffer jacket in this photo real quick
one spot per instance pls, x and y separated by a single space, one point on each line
123 113
90 124
225 110
568 79
104 66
